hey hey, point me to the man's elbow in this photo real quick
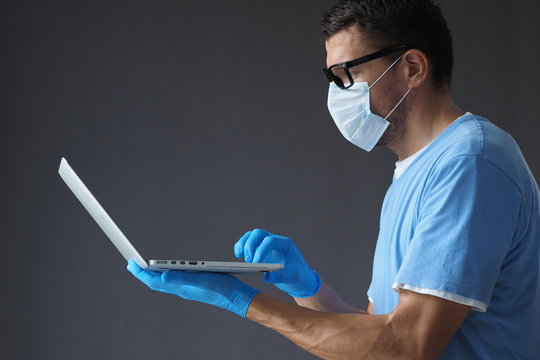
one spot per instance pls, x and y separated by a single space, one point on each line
406 341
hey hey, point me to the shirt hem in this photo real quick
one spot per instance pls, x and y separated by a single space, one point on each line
474 304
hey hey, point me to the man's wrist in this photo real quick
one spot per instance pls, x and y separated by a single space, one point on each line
241 298
312 290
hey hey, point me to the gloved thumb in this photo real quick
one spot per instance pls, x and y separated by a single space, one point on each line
272 277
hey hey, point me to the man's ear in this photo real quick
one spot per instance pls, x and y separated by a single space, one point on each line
416 67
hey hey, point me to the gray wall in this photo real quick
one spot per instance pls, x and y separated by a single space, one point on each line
193 122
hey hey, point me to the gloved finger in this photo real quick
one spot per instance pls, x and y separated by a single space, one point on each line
268 245
133 266
133 263
156 273
253 242
195 279
272 277
239 246
177 276
146 277
280 244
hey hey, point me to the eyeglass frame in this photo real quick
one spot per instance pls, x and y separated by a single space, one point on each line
361 60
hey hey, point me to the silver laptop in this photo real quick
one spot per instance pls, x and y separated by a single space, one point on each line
128 251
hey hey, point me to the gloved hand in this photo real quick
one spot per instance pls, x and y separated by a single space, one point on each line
222 290
296 278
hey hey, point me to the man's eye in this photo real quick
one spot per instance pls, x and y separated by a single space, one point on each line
356 75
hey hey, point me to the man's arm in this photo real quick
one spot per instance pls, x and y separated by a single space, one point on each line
370 309
420 327
326 299
297 278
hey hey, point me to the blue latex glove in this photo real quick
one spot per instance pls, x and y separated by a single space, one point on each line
221 290
296 278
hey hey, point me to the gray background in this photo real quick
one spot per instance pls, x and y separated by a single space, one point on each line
194 122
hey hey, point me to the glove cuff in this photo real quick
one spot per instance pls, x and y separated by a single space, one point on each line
241 298
312 291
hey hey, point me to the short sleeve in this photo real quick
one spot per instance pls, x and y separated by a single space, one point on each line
465 224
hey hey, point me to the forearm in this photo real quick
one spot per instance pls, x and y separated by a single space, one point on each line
326 299
327 335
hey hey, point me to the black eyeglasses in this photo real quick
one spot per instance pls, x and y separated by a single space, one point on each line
339 73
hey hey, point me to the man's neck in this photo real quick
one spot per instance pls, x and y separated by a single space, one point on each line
431 113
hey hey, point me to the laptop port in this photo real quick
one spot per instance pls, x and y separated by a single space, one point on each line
173 262
182 262
192 263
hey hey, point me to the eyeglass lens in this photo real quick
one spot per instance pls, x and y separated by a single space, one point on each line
341 77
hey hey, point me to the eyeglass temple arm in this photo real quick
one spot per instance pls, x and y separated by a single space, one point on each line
376 55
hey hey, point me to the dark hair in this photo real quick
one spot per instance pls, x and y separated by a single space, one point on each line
395 22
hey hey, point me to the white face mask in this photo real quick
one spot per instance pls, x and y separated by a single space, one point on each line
351 113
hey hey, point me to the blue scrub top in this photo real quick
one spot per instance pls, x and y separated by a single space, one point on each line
464 220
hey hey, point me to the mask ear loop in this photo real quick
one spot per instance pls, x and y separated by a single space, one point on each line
394 63
395 107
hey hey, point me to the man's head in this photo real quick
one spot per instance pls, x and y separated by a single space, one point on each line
355 28
392 22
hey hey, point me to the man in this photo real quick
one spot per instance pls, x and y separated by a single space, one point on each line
456 268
